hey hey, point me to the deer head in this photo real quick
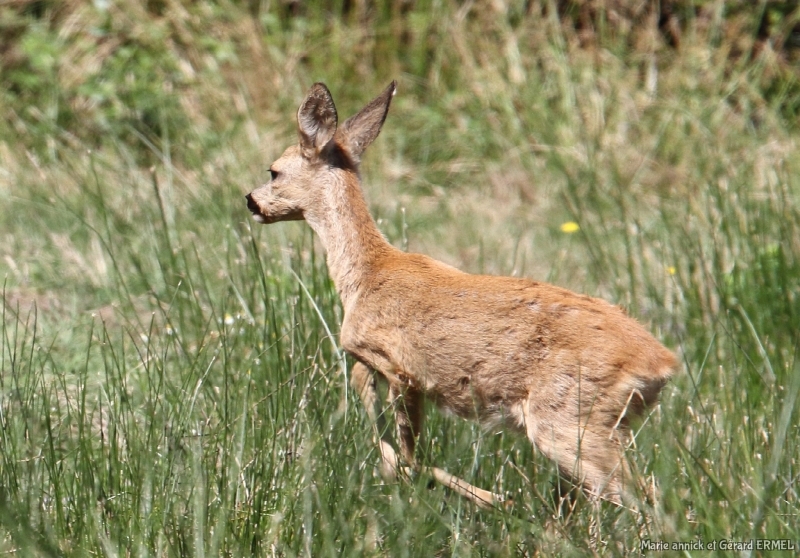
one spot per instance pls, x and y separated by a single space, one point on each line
302 174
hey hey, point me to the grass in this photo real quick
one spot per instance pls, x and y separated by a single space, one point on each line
168 382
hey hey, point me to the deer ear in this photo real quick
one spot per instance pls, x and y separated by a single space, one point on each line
316 120
361 130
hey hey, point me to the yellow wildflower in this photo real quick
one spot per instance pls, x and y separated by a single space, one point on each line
570 227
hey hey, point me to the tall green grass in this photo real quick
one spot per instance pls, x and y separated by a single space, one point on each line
170 376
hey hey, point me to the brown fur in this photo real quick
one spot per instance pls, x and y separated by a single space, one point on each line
567 370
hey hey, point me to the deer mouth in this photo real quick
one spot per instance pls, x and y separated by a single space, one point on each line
255 210
283 212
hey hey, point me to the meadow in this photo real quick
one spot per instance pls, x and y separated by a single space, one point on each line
171 382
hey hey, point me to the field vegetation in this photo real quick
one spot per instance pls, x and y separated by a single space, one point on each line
171 382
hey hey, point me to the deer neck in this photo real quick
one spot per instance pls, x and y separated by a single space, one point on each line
351 239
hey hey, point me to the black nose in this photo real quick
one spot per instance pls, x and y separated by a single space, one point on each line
251 204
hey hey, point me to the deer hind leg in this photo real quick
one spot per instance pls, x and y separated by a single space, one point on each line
601 466
590 458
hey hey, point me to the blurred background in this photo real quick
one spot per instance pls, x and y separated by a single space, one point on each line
170 378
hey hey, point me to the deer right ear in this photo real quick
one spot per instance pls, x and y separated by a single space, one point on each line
316 120
360 130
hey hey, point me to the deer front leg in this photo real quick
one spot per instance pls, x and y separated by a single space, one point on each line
483 498
409 425
364 382
408 419
409 414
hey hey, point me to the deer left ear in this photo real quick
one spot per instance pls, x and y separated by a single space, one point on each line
316 120
360 130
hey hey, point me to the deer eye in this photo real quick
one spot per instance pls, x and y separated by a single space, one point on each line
274 174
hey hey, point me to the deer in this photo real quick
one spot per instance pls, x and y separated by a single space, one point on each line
566 370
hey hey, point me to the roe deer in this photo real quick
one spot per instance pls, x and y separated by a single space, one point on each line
566 369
